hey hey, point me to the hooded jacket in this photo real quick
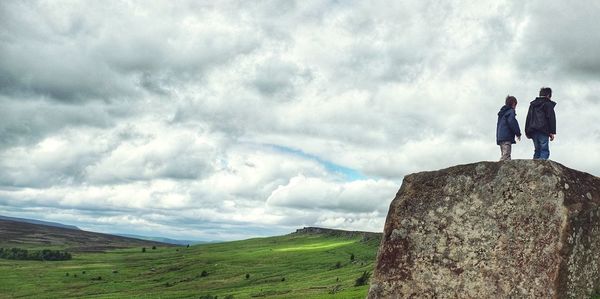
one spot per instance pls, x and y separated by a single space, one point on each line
540 117
507 127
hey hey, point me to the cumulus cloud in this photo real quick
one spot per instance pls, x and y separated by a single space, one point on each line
316 194
226 120
81 51
560 39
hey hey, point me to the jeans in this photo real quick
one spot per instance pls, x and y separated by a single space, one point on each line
542 148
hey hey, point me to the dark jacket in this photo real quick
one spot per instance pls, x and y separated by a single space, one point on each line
507 126
540 117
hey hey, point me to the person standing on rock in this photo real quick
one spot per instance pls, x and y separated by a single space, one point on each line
507 127
540 124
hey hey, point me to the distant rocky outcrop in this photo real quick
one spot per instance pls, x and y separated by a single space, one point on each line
366 236
515 229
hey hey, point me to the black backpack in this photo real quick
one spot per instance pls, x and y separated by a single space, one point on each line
538 118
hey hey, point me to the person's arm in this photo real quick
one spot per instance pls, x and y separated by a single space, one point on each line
513 123
528 122
551 119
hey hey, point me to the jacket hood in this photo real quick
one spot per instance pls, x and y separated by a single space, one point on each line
504 109
539 101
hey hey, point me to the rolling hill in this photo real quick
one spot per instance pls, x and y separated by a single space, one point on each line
310 263
29 235
166 240
34 221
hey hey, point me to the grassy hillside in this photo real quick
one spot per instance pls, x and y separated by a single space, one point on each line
292 266
23 234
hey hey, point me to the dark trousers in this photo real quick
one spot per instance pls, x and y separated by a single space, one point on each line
541 146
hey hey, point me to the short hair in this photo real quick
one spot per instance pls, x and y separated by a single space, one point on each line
546 92
510 101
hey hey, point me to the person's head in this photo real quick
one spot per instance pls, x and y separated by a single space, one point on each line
546 92
510 101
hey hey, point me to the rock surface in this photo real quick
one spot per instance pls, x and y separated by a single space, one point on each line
515 229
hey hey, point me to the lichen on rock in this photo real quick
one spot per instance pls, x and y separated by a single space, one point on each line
515 229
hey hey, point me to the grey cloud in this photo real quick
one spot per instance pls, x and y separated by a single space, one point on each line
25 121
278 80
83 55
560 36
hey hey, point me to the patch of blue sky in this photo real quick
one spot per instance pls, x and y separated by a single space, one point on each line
348 174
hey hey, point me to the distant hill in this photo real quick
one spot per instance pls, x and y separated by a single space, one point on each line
17 233
366 236
165 240
55 224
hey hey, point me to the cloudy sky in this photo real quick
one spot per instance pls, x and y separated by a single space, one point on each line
222 120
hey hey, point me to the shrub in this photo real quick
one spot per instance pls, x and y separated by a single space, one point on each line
283 279
352 256
338 265
335 289
204 273
363 279
247 275
153 247
143 249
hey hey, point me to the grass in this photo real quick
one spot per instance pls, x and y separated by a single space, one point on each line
293 266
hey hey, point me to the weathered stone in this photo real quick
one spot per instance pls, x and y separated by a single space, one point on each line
515 229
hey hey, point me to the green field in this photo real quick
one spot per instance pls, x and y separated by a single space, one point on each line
292 266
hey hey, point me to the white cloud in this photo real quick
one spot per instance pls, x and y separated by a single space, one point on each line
232 119
317 194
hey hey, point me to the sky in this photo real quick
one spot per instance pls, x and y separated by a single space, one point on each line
225 120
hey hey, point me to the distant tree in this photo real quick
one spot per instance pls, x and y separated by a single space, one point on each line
352 256
153 247
143 249
363 279
204 273
67 274
188 245
177 249
338 265
39 255
247 275
283 279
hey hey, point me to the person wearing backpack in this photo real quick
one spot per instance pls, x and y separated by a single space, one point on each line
507 127
540 124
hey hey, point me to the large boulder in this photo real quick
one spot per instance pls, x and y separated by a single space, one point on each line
515 229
